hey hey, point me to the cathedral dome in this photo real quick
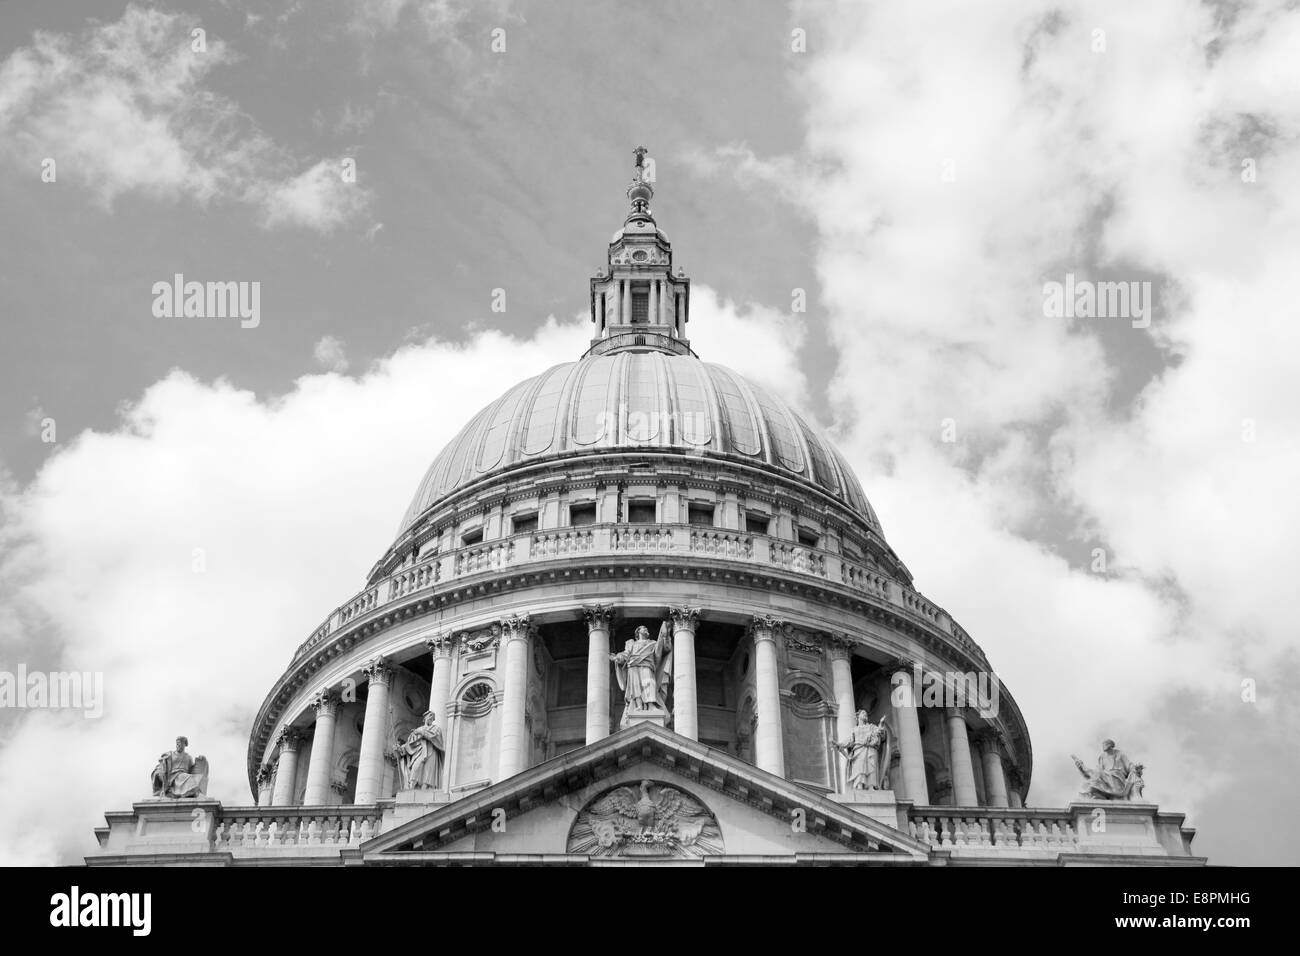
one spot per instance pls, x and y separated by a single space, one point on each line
639 402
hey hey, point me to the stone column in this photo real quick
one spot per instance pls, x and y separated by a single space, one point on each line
1015 786
322 749
514 727
686 719
652 310
265 784
374 732
286 771
441 647
959 763
598 617
903 696
626 317
768 752
995 782
840 652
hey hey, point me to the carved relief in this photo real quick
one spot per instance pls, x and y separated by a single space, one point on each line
652 819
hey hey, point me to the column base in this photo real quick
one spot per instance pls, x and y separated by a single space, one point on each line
879 805
654 716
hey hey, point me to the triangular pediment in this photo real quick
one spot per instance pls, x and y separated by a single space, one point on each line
643 794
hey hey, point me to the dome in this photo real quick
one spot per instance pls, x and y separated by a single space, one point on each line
640 401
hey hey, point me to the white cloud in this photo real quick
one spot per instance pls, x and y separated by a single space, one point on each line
330 354
318 198
126 107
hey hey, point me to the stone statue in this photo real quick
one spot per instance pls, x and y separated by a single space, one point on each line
1116 777
178 775
644 668
420 757
866 749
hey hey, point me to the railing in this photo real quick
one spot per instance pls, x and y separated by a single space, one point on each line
993 828
414 578
557 543
270 827
725 544
683 539
649 538
792 557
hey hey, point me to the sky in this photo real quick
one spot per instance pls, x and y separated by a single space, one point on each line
1106 503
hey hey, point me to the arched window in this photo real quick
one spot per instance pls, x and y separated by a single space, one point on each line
808 731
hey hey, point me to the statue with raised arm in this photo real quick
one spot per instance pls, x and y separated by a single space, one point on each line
1116 777
644 668
177 775
867 750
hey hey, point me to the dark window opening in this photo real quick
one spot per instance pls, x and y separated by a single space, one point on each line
757 524
572 685
809 539
522 523
709 687
699 514
640 307
472 537
641 512
582 514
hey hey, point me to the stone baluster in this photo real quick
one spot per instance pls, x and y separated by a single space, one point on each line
768 751
374 732
516 641
598 617
686 719
286 770
908 722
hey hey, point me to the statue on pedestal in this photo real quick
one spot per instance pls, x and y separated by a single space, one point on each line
420 757
644 668
1116 777
177 775
866 750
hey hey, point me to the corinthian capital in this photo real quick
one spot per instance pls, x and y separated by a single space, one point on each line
326 703
378 671
598 616
764 626
684 617
515 627
288 740
264 775
441 644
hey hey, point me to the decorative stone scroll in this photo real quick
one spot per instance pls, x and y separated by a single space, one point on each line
648 820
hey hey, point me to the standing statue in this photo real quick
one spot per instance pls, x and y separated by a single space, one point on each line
420 757
644 668
1116 777
178 775
867 750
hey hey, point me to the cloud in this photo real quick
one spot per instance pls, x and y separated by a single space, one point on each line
125 107
950 173
772 341
319 199
330 354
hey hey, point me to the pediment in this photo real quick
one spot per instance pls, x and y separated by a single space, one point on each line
644 794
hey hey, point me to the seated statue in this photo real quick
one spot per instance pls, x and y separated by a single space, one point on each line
1116 777
178 775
